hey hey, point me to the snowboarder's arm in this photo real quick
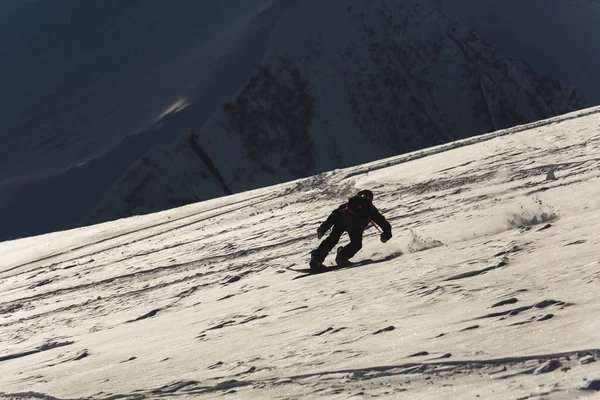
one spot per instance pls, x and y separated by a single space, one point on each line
380 220
330 221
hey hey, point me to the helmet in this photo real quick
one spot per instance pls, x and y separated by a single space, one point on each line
366 193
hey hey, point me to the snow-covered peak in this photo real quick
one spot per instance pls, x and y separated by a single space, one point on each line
361 81
556 37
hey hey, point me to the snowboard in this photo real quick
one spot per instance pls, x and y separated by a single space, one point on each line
350 264
310 271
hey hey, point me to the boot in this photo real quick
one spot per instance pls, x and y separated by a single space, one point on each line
340 259
315 261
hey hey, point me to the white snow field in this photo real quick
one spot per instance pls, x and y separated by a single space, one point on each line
489 288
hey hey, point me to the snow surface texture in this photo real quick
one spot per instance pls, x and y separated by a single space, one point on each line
489 287
386 80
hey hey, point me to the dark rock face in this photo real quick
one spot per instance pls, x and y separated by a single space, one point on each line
272 116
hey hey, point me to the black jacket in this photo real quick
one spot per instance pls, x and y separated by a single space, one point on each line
355 215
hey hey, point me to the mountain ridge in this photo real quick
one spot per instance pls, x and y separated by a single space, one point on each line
386 80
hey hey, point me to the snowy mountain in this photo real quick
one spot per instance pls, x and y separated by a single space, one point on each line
86 84
557 38
80 77
384 79
488 289
89 87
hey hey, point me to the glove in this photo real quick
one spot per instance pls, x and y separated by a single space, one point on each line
384 237
320 233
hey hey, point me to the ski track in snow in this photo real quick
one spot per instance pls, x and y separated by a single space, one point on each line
489 287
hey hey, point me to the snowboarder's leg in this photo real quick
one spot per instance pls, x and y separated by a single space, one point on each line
318 256
353 247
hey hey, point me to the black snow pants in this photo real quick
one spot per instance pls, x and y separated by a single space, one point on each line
343 222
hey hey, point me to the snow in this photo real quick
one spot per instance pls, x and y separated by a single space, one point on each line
533 31
489 287
76 115
105 73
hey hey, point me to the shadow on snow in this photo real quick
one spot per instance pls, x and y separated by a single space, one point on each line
369 261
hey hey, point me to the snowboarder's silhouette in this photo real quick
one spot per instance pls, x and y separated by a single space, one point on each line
352 217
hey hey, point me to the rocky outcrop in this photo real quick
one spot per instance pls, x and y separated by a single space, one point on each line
272 116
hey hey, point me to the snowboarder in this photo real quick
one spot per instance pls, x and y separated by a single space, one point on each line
352 217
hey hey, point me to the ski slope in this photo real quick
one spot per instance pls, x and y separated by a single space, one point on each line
488 289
